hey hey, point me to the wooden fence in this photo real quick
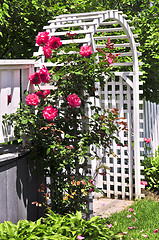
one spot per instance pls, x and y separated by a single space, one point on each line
19 181
14 75
151 124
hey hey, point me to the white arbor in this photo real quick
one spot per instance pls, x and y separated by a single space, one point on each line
122 92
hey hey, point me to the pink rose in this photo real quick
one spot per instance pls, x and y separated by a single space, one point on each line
47 51
39 94
73 100
44 75
54 42
46 93
43 94
156 230
42 38
49 113
144 183
147 140
86 51
35 78
32 99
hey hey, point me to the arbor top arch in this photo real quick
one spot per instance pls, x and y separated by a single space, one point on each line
93 28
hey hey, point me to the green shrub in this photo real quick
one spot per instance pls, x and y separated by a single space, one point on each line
59 227
151 171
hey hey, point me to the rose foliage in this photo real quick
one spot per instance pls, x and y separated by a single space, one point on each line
63 134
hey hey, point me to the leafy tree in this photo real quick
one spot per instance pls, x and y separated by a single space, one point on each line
147 25
20 21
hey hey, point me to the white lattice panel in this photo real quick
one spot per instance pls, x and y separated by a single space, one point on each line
119 181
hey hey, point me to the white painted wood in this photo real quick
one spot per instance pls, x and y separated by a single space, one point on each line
151 124
121 45
76 18
114 37
113 22
71 32
10 83
71 25
124 64
113 29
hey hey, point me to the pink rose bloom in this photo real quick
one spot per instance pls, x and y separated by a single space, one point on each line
80 237
42 38
39 94
73 100
156 231
124 233
46 93
146 236
44 75
32 99
49 113
128 216
54 42
129 227
47 51
43 94
144 183
147 140
86 51
35 78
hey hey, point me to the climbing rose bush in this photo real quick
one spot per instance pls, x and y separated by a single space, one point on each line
57 123
73 100
32 99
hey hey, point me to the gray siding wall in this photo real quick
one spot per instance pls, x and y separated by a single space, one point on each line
19 183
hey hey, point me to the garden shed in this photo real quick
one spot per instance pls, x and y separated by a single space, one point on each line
122 91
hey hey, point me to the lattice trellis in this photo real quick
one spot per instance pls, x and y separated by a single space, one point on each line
93 28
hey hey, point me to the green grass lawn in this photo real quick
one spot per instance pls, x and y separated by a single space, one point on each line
138 221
